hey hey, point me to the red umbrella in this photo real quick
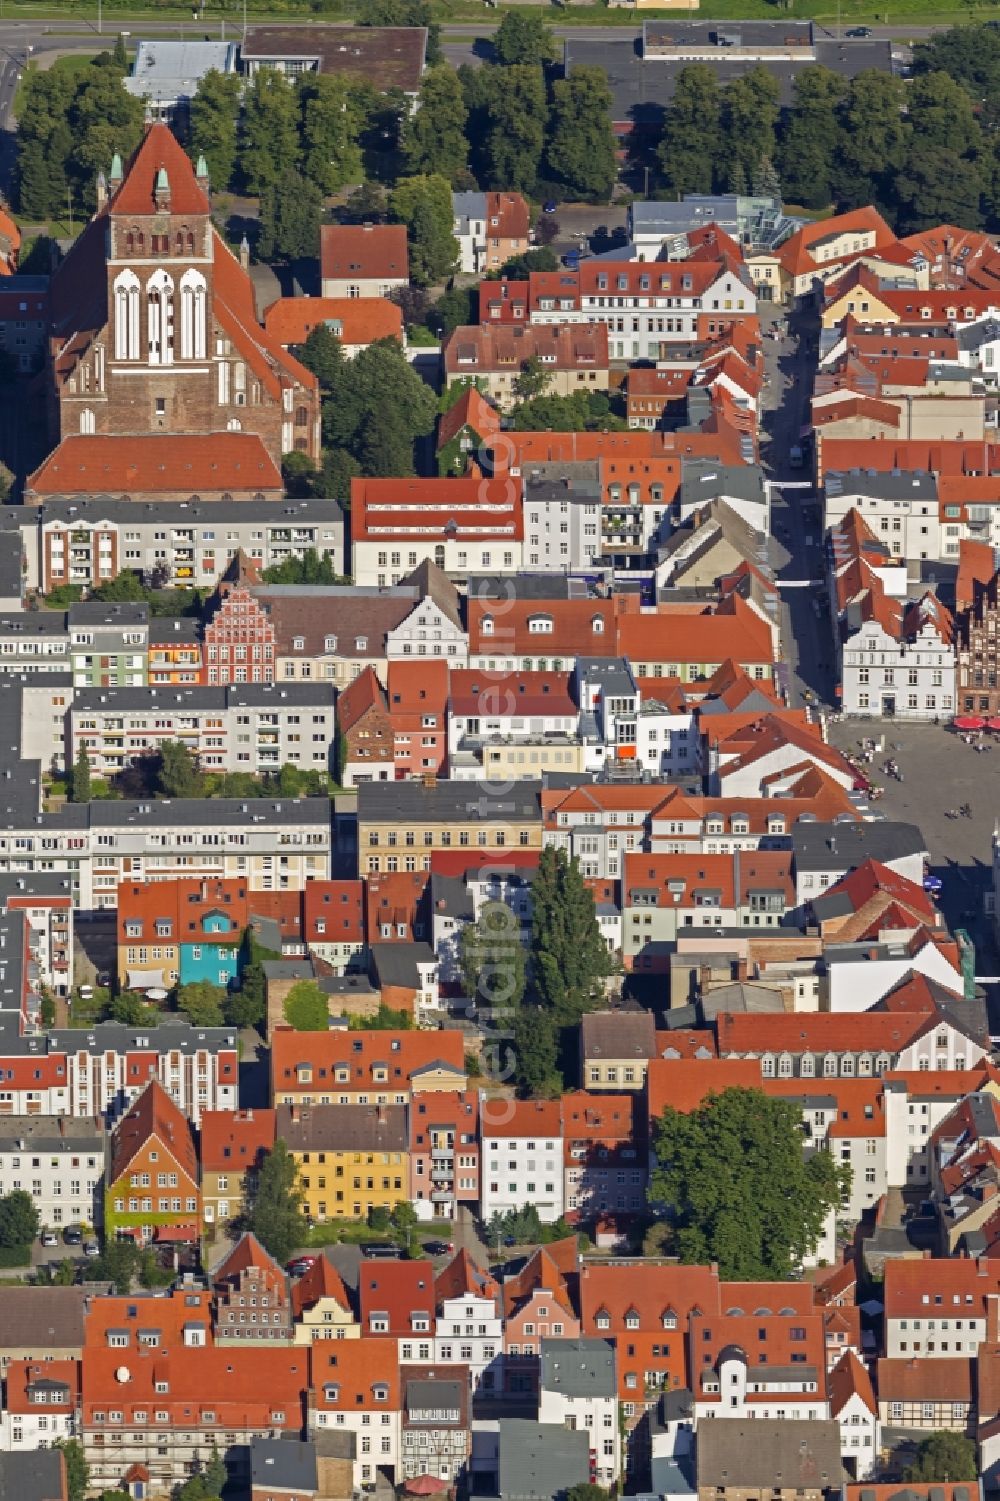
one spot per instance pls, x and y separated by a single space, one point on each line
993 724
969 722
425 1485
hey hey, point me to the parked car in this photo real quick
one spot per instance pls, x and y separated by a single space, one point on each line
859 32
85 992
72 1236
300 1265
382 1251
933 885
796 458
49 1238
550 206
91 1248
438 1247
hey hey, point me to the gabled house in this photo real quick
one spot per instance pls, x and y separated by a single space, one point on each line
252 1298
322 1306
153 1190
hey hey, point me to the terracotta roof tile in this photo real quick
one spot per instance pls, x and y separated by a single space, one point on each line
146 465
366 251
354 320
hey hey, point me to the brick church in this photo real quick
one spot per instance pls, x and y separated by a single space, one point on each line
154 325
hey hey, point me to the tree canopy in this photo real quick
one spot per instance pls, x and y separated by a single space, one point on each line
306 1007
944 1456
18 1219
735 1187
274 1213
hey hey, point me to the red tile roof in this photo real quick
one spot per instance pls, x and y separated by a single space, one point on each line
503 1118
393 510
354 320
405 1053
931 1378
367 251
22 1375
159 150
153 1116
259 1386
398 1291
938 1287
322 1280
742 1035
474 691
684 1084
491 347
145 465
344 1373
508 215
471 410
339 905
233 1140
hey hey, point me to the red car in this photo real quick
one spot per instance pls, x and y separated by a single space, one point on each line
299 1265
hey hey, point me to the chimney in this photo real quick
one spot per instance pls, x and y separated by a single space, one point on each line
380 1113
992 1319
741 968
704 978
295 1115
102 191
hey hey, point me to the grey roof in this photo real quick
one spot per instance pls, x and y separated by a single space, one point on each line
679 34
434 1395
349 984
40 1319
450 897
203 700
578 1367
33 623
172 70
702 481
115 1037
665 217
523 586
983 331
40 883
572 481
794 1454
411 802
613 673
618 1034
94 612
641 88
468 205
288 969
32 1475
45 1133
540 1461
396 963
11 575
94 508
891 484
344 1128
842 846
742 996
284 1464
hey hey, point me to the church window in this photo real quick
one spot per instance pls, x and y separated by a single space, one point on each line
192 316
160 318
126 302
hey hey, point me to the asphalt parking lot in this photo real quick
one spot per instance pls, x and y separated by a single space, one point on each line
940 773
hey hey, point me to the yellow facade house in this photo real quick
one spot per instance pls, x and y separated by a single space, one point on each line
351 1159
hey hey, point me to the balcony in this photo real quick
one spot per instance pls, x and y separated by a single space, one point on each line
442 1154
442 1174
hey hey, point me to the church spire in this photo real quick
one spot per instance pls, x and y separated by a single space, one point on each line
161 191
115 175
201 172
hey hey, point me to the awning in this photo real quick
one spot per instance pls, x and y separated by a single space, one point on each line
142 979
993 724
425 1485
177 1233
969 722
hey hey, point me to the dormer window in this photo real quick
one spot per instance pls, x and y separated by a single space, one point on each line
380 1392
597 625
487 625
668 1319
540 624
133 928
361 643
298 643
331 1392
603 1319
632 1319
329 643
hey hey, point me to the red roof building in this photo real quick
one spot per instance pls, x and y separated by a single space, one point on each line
417 698
355 322
364 1067
363 260
461 525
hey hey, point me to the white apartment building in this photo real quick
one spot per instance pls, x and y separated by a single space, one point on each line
41 1404
254 727
899 663
60 1163
902 509
80 1074
273 843
428 631
562 517
522 1157
622 724
469 229
578 1389
938 1307
192 541
470 1333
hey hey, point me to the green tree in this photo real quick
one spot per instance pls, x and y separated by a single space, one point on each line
77 1469
936 186
275 1213
404 13
125 587
332 113
44 142
944 1456
385 1020
323 354
454 309
434 140
102 119
736 1187
18 1219
119 55
310 568
269 145
403 1224
423 204
378 385
569 958
290 212
873 139
306 1007
130 1008
941 114
214 113
750 106
968 54
532 379
492 959
177 775
522 37
810 141
47 1010
581 412
536 1051
202 1002
581 149
515 117
79 778
585 1491
689 152
215 1474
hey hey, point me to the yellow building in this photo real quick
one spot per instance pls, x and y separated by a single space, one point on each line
233 1144
400 822
321 1305
351 1159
